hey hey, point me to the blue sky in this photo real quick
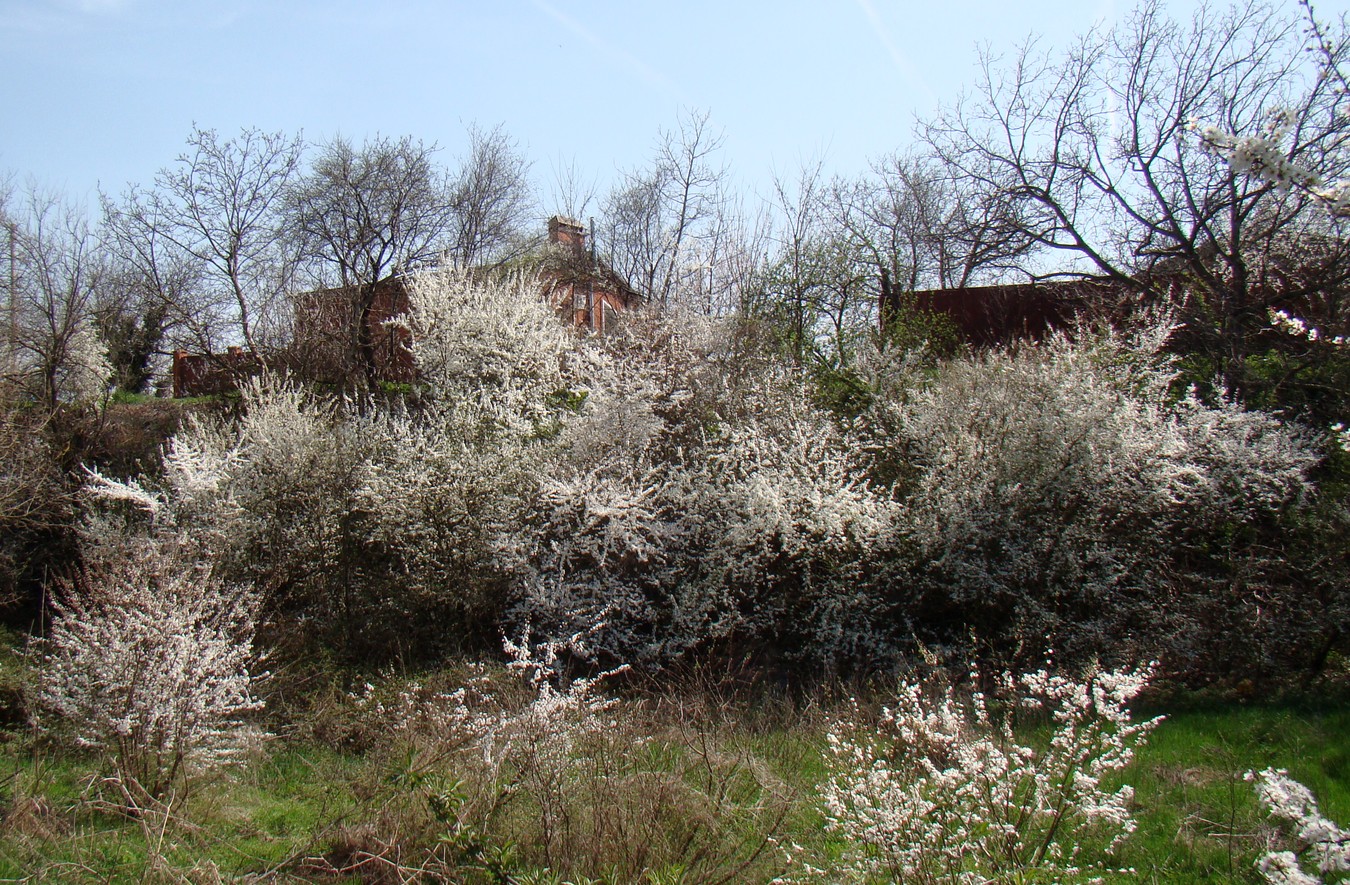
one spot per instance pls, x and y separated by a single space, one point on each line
104 92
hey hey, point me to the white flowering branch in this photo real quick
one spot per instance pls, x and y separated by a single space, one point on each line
940 790
1297 327
1263 156
1319 840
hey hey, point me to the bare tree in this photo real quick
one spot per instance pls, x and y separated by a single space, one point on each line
906 221
1094 155
218 207
795 275
59 269
366 214
731 259
926 227
491 199
662 222
817 282
570 192
11 232
153 297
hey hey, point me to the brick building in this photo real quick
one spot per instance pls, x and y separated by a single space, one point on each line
989 316
197 374
323 337
585 291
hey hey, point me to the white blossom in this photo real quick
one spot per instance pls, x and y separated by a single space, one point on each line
940 789
1317 838
1262 156
150 660
85 372
1045 488
1299 328
494 343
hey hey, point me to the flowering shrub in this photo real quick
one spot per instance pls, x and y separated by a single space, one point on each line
151 661
444 508
272 498
696 498
761 525
803 538
84 373
1052 494
940 789
493 344
537 744
509 738
534 752
1319 841
669 482
578 781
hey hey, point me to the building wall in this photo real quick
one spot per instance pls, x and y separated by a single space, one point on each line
208 374
988 316
324 346
585 293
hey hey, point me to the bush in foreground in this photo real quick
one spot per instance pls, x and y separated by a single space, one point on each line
150 661
941 790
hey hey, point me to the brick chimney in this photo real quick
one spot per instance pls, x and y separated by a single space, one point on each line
568 232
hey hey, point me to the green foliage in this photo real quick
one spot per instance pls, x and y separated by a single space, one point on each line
910 328
567 399
1311 386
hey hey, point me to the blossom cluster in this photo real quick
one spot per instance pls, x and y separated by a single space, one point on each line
1262 156
941 789
84 372
1340 435
1258 155
1300 328
151 661
1322 841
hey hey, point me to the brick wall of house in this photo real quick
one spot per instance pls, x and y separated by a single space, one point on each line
584 291
324 346
208 374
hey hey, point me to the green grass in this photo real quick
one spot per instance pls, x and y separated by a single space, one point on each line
1198 820
62 825
126 397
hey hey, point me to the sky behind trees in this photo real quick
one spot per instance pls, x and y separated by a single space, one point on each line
101 93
